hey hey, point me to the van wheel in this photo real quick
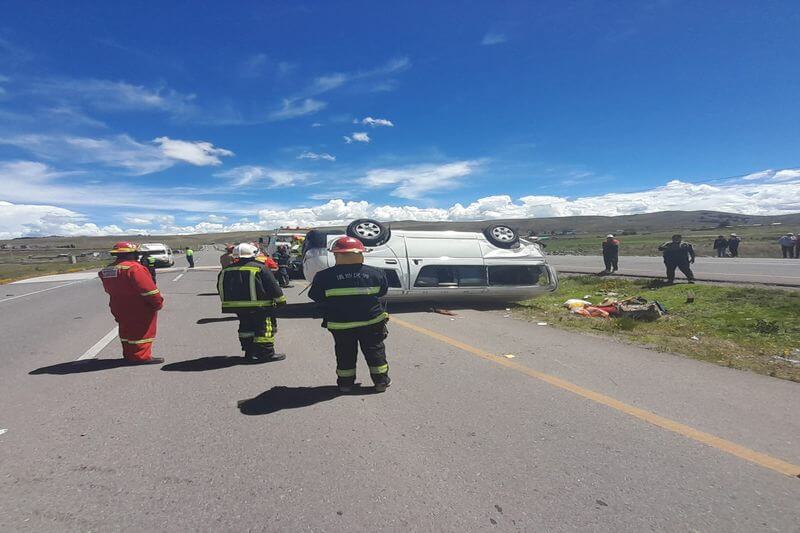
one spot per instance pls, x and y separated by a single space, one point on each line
370 232
501 236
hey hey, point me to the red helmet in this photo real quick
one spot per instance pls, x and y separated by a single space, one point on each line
344 245
124 247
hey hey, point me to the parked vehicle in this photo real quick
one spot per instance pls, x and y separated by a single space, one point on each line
161 252
433 265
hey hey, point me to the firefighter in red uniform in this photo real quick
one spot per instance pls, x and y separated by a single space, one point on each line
134 302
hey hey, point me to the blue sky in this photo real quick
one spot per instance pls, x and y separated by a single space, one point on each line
200 116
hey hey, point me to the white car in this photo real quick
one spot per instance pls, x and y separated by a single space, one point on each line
161 252
433 265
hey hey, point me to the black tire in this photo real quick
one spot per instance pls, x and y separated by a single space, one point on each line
370 232
502 236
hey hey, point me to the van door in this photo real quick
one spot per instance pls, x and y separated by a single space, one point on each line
391 258
445 266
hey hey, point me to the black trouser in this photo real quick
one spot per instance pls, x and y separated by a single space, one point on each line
682 265
788 251
611 261
720 252
257 334
371 340
190 258
734 250
152 270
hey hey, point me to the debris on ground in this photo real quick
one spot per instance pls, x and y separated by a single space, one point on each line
509 355
443 311
786 359
636 308
541 323
695 338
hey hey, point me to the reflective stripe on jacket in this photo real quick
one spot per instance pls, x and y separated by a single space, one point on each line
248 285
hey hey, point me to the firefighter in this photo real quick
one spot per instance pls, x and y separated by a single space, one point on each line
226 259
281 257
348 294
149 263
134 302
249 289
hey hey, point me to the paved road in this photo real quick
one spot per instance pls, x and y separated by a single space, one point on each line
745 270
573 433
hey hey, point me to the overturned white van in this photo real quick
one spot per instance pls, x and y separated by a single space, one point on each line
434 265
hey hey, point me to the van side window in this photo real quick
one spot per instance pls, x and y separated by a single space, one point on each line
392 278
516 275
451 276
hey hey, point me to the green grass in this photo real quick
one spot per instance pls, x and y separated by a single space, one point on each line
16 271
739 327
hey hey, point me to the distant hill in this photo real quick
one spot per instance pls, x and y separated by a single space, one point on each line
646 222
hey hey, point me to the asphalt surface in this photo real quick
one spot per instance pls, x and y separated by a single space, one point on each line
741 269
574 433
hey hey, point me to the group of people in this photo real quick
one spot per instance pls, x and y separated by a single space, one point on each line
727 247
677 254
347 293
790 246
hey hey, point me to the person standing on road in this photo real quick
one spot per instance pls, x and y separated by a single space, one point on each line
720 246
226 259
733 245
678 254
797 247
249 289
149 262
190 256
611 254
282 259
134 302
788 243
348 295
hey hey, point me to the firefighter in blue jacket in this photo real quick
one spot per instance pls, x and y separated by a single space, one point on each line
249 289
348 294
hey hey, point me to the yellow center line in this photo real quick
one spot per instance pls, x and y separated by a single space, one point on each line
708 439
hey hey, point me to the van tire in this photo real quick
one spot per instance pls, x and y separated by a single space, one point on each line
501 235
369 231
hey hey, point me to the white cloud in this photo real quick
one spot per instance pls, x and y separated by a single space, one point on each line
22 220
147 219
315 156
112 95
774 175
293 107
198 153
359 136
216 218
415 181
120 151
369 121
316 125
492 38
249 175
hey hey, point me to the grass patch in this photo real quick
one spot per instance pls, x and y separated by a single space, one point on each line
16 271
736 327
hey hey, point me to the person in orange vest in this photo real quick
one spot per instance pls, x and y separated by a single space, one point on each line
134 302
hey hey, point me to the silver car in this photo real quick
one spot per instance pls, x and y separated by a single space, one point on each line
434 265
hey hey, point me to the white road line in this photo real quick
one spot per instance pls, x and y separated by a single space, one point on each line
179 276
43 290
92 352
3 431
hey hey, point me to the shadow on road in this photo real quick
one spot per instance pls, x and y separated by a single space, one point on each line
212 362
78 367
280 398
208 294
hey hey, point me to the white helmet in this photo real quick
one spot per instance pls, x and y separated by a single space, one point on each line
245 251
